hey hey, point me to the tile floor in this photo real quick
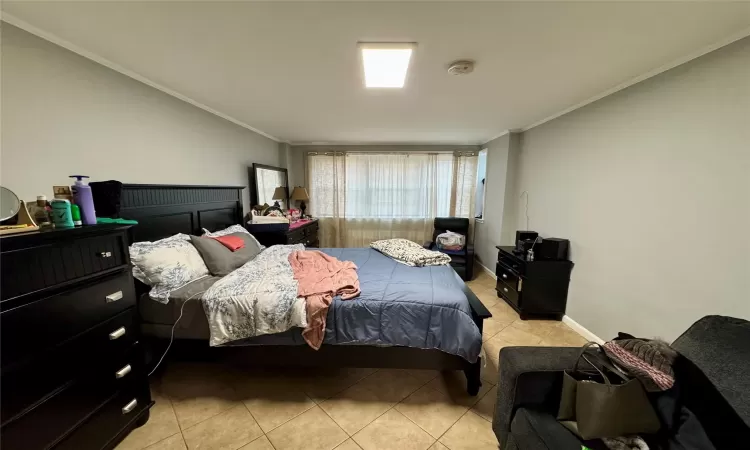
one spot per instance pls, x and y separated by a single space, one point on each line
204 406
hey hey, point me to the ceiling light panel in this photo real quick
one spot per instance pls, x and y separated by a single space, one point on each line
386 64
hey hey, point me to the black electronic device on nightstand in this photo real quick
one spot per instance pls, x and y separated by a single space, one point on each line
535 289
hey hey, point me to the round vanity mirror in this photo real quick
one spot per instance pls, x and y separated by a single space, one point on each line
9 203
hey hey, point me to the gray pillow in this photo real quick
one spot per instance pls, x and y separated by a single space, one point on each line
219 259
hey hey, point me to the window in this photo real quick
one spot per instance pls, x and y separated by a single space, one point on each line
479 189
388 186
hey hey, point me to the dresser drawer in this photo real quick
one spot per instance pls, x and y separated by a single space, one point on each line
110 420
73 403
93 353
508 292
506 275
65 316
47 265
296 237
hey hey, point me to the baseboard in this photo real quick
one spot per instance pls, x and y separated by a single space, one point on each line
489 272
580 329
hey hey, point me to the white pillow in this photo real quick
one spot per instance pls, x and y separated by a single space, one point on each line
166 265
229 230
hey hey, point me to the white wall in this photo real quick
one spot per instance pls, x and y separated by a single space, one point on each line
488 232
652 187
63 114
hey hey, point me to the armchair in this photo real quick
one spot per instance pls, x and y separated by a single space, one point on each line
462 261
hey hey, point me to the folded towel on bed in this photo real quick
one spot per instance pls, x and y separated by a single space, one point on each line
410 253
320 277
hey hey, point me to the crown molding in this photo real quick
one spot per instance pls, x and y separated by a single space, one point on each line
15 21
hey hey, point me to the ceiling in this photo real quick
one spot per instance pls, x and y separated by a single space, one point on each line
291 70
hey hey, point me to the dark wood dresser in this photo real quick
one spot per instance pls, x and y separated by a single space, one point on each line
274 234
533 288
72 369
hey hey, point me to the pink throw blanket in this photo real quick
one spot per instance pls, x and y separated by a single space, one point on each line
321 277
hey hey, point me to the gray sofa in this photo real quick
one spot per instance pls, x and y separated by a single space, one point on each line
713 378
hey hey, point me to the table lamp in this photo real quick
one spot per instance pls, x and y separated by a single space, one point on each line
279 194
300 193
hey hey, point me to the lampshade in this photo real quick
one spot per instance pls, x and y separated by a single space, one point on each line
279 193
300 193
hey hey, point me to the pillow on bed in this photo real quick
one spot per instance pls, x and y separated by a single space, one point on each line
219 259
166 265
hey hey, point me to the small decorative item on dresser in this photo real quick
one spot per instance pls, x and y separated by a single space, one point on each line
301 194
78 381
534 288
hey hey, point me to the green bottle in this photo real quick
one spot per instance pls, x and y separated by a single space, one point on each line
75 211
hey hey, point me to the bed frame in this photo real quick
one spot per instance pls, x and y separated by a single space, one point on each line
164 210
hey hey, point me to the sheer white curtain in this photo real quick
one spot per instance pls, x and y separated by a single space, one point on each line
363 197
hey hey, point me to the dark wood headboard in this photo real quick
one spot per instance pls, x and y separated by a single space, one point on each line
166 209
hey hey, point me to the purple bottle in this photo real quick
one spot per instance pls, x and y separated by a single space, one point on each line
83 198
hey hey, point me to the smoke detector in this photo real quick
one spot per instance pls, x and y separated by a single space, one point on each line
461 67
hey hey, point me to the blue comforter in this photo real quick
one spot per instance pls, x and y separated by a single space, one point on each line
422 307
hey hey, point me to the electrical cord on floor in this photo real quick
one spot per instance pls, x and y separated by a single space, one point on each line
171 337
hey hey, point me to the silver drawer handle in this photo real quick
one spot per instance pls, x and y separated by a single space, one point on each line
505 289
122 372
505 276
114 297
118 333
105 254
130 406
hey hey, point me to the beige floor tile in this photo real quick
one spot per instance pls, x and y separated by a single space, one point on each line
438 446
272 398
471 432
516 336
392 431
275 408
197 392
392 385
324 384
355 408
262 443
564 335
539 328
229 430
487 296
174 442
432 410
349 444
503 312
161 424
424 376
311 430
485 407
492 326
453 384
489 371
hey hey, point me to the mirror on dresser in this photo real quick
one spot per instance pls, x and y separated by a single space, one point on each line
264 181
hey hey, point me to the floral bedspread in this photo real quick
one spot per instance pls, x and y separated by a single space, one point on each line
258 298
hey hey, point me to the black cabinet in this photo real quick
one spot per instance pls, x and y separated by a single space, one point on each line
533 288
275 234
73 372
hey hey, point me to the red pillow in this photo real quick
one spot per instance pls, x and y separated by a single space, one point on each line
233 243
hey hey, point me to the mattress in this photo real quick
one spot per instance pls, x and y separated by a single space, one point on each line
422 307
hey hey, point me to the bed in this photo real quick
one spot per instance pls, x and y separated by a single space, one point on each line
400 309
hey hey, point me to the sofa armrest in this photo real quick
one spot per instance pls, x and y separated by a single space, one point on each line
529 376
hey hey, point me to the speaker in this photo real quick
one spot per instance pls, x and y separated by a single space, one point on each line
552 249
524 241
